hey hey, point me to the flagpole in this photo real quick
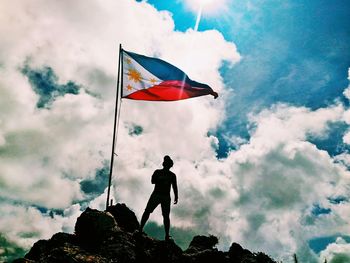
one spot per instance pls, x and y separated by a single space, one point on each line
120 71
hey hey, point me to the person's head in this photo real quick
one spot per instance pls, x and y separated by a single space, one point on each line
167 162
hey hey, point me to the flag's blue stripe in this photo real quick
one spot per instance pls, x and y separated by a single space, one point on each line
164 70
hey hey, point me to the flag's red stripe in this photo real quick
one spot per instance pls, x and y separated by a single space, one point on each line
167 91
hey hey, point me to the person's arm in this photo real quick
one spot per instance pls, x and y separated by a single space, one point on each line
154 177
174 184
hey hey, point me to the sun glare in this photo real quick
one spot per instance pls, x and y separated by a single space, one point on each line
209 7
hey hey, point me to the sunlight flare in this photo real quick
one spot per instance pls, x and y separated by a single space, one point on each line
198 19
208 7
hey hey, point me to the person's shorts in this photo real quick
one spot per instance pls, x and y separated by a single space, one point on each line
157 199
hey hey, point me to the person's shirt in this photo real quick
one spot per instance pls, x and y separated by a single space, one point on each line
163 180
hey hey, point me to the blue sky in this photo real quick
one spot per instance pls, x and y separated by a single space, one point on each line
265 165
295 52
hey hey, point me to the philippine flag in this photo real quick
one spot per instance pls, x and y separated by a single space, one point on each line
146 78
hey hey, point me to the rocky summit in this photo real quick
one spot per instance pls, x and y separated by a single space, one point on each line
112 236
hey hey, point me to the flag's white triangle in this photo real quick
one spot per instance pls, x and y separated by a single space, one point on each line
136 77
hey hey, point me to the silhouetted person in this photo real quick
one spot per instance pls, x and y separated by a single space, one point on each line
163 180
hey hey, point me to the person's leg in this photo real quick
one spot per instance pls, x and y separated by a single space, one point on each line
144 219
166 217
166 221
153 202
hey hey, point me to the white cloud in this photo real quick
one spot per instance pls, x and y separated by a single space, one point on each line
279 176
346 93
261 195
337 252
25 225
45 153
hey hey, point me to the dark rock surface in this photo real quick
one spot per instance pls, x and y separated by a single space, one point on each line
125 218
112 236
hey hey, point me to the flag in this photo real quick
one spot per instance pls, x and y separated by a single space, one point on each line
147 78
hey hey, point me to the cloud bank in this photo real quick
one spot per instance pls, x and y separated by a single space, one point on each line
58 65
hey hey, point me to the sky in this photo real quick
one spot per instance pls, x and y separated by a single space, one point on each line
265 165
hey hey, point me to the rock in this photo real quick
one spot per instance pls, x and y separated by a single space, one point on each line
206 256
125 218
101 238
62 238
150 250
263 258
61 247
120 246
93 226
38 248
202 242
70 254
202 249
42 246
237 253
23 260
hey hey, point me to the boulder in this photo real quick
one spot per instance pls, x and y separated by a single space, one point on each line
125 218
199 243
93 226
42 246
237 253
202 249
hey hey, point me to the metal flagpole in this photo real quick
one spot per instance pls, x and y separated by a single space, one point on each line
120 72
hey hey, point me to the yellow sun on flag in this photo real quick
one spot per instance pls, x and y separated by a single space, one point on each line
134 75
153 81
